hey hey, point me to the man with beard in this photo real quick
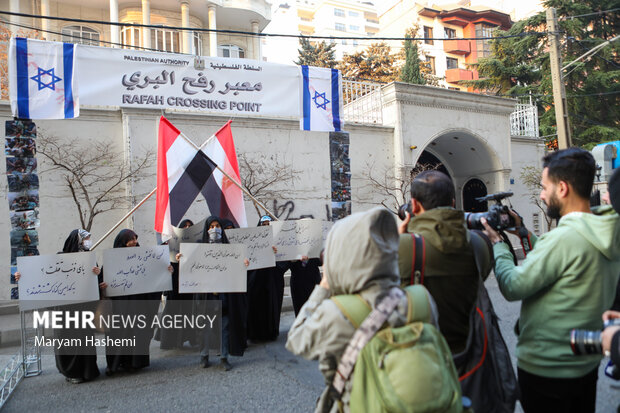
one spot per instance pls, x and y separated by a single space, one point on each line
566 282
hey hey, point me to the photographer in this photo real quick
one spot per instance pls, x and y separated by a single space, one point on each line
566 282
450 272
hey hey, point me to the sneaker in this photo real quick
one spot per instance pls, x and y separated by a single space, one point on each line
227 366
204 361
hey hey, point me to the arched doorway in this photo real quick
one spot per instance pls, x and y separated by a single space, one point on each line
474 188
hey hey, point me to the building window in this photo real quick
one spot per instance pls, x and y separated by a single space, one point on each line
339 12
344 42
449 33
483 47
131 37
355 43
81 35
354 28
197 43
340 27
452 63
431 63
165 40
370 34
353 14
428 35
230 50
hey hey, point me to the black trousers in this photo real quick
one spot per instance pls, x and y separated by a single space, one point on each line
546 394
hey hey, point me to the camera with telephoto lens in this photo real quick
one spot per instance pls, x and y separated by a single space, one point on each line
403 209
498 216
589 342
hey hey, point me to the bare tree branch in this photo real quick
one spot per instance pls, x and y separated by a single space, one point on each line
392 187
266 179
94 173
531 177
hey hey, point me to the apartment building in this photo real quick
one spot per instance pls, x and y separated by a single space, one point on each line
449 58
330 18
239 15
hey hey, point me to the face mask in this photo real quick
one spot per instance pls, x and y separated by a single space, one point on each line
215 234
87 244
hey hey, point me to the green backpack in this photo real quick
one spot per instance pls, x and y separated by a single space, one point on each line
402 369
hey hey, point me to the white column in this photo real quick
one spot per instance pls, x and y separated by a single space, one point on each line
255 40
45 23
114 30
187 35
146 19
14 8
212 35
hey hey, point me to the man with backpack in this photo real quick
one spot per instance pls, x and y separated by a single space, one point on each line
447 260
404 366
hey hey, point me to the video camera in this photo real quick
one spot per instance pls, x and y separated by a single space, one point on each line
498 216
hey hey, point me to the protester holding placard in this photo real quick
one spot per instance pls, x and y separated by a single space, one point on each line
234 308
265 296
177 304
131 358
305 275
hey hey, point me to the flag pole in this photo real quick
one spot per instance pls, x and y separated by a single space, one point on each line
127 215
245 191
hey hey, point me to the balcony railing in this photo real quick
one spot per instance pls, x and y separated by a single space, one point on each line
456 75
362 102
461 47
524 121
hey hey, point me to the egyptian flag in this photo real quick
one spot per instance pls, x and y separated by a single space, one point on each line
182 172
224 198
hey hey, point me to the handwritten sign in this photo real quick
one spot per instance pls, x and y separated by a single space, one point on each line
259 244
136 270
296 238
212 268
191 234
57 279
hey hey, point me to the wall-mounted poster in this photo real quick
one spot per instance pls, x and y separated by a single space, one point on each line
340 174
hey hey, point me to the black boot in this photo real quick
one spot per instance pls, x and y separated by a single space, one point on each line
204 361
227 366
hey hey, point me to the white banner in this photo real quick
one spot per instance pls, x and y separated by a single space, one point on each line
212 268
230 87
296 238
57 278
258 242
136 270
191 234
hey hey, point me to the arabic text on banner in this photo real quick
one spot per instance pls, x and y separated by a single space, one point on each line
240 87
259 245
212 268
136 270
191 234
296 238
59 278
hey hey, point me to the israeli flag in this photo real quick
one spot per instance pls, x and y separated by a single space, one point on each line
321 99
41 79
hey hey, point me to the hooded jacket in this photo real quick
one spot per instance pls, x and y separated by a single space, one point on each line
450 272
361 257
566 282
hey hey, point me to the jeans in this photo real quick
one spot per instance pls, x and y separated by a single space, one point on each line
204 349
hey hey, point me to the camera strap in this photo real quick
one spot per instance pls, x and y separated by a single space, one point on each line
526 242
419 259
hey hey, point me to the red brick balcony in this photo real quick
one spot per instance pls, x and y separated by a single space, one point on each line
461 47
456 75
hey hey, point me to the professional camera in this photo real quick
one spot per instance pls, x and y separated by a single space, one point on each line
589 342
403 209
498 216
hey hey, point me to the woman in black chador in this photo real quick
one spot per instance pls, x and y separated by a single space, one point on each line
305 275
265 295
78 364
131 358
234 308
177 304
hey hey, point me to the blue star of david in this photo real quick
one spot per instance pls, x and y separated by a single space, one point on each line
317 96
41 83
